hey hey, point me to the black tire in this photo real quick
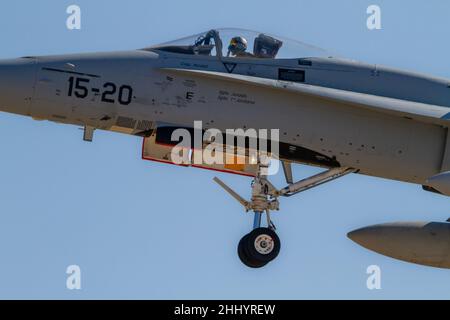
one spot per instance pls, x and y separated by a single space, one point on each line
263 244
244 256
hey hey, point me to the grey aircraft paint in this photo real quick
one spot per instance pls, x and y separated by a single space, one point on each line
331 112
426 243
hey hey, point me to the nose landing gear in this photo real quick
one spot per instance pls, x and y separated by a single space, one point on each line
262 245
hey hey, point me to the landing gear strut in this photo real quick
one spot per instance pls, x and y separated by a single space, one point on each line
262 245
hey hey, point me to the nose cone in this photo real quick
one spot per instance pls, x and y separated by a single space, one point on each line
17 79
426 243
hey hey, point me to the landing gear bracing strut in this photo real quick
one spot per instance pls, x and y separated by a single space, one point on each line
262 245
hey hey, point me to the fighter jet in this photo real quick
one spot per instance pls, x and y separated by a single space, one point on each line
338 114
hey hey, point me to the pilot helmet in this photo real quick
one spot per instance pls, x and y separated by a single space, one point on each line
238 45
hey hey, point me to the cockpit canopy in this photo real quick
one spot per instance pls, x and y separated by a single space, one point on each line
218 42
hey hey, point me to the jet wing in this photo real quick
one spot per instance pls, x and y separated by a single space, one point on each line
423 112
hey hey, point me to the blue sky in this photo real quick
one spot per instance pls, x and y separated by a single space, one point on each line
142 230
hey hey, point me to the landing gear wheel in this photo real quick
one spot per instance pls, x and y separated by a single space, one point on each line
245 257
263 244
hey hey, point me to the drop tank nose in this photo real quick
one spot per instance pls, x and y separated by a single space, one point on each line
17 81
426 243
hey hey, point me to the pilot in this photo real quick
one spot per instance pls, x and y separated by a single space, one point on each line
238 47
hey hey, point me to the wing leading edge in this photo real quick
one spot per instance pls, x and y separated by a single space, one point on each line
422 112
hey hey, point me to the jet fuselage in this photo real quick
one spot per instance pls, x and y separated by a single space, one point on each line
130 91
